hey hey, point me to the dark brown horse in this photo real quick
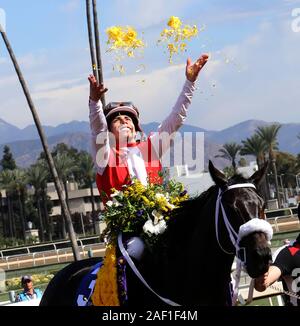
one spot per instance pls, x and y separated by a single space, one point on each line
192 264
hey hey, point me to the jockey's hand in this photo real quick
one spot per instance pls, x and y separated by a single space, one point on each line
96 90
192 70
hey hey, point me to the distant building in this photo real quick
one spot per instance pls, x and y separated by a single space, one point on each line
80 200
196 183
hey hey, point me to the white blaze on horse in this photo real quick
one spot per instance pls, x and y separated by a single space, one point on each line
192 264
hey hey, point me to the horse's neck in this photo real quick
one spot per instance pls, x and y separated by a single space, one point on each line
198 264
193 262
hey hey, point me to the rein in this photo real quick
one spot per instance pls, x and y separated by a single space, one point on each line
139 275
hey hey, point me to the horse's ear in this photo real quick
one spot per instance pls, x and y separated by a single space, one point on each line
258 176
218 177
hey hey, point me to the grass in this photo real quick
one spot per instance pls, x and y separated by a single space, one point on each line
278 237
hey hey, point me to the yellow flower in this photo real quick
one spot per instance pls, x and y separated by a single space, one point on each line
174 22
146 200
106 287
114 33
172 48
182 46
177 36
130 54
123 40
130 35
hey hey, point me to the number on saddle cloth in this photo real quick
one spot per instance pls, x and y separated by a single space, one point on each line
86 287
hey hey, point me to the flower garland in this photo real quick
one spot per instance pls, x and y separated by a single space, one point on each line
106 287
142 210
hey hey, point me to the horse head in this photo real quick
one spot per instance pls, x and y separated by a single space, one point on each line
241 213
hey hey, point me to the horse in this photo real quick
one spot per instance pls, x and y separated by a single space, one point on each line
196 254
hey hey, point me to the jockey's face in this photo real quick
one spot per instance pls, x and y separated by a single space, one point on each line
123 128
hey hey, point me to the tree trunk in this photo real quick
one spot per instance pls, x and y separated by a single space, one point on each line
10 217
264 187
98 52
49 225
64 233
276 180
93 206
91 42
40 218
21 215
233 165
72 235
14 225
2 216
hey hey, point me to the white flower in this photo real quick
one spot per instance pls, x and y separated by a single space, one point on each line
116 203
157 216
116 193
159 228
109 203
159 196
113 203
171 206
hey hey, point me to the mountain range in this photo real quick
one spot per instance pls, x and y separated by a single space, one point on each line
26 147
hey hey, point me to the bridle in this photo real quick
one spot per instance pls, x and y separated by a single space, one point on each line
255 224
233 235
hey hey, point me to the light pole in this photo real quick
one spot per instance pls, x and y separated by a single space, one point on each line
297 182
283 191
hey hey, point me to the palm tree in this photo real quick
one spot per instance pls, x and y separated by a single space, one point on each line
86 166
255 146
18 185
44 142
65 166
37 176
269 135
6 178
230 152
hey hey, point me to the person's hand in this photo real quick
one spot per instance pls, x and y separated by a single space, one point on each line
192 70
260 283
96 90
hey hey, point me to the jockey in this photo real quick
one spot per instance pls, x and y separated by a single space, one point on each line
117 153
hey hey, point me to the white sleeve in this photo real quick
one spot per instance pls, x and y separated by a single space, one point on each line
99 136
174 120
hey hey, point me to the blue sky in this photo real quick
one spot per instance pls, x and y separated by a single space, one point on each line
253 72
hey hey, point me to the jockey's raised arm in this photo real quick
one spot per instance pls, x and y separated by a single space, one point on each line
121 157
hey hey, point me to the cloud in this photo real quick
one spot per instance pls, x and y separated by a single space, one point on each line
70 6
33 60
266 89
148 13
